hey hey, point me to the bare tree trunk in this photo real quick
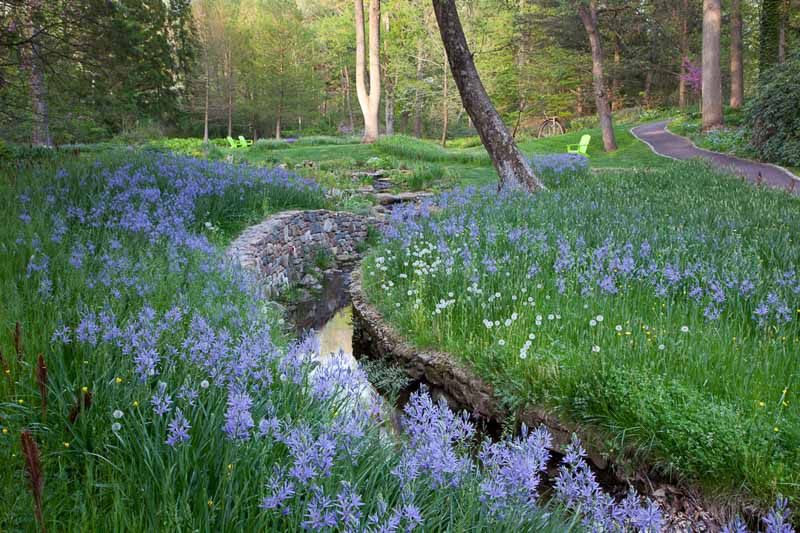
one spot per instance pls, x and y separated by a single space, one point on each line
444 101
417 96
205 106
349 101
229 65
684 55
388 105
782 32
616 85
579 101
737 66
512 167
588 16
369 101
40 135
278 116
712 76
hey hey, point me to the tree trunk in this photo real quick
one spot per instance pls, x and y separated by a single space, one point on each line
512 167
388 113
444 102
579 101
712 76
769 37
230 91
782 32
737 66
349 101
278 116
417 96
616 85
684 55
40 136
588 14
369 101
205 106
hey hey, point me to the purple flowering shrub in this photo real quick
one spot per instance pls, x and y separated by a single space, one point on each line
660 306
173 397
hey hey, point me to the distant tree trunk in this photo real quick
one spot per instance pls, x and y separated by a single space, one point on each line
684 55
712 76
417 96
205 105
782 32
616 85
40 135
737 66
278 117
369 101
388 111
512 167
229 84
348 101
588 14
769 44
444 101
404 121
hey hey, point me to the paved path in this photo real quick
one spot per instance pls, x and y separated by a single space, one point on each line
668 144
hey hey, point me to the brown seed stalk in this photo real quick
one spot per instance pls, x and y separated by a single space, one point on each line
33 466
6 369
18 341
41 380
80 404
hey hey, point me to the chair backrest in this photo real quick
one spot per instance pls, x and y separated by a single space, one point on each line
241 138
585 141
231 141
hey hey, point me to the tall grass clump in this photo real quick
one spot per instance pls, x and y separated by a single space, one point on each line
660 309
147 385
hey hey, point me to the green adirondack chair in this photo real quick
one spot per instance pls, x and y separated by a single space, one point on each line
232 142
581 147
244 143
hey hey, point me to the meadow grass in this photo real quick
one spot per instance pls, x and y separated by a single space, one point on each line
659 308
171 398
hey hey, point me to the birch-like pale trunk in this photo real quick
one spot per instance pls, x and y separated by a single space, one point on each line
369 100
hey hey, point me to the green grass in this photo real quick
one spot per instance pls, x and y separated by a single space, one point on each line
714 404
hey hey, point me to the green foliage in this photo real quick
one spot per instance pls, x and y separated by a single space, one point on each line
774 114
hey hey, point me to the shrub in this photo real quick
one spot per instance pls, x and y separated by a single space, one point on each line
774 115
140 134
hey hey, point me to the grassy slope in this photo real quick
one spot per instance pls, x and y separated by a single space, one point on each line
712 409
631 153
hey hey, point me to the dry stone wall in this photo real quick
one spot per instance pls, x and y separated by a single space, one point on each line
281 246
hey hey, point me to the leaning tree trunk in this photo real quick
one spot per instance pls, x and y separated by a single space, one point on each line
444 102
588 14
369 101
712 76
512 167
737 66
